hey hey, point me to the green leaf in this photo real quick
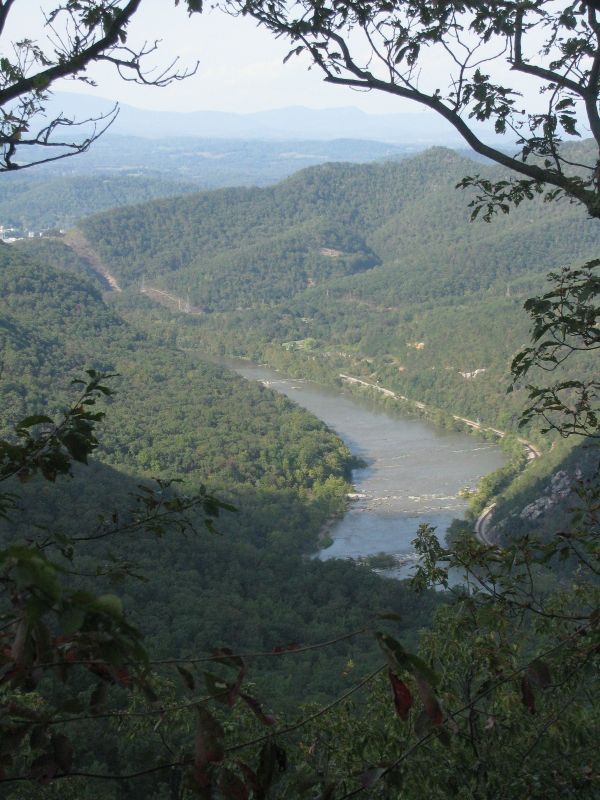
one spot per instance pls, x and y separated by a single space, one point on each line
38 738
443 736
149 692
63 752
98 698
71 706
396 655
423 724
36 572
109 604
34 419
420 668
71 619
539 672
77 446
218 687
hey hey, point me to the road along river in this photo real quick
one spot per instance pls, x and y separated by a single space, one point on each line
414 471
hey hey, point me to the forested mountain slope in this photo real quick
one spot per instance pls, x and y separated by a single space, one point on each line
121 170
327 277
374 271
407 217
175 416
34 203
370 269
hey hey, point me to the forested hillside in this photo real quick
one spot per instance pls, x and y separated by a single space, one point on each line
122 170
174 416
321 274
372 269
375 271
168 629
408 214
36 204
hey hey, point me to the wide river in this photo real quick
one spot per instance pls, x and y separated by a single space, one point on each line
414 471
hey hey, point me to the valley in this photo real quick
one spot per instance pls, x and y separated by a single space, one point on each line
300 421
262 288
288 281
384 324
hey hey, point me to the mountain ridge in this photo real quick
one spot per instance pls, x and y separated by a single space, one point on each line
279 123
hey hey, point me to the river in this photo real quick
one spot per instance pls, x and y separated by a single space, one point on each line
414 471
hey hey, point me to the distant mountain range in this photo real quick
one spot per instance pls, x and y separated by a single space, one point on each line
152 154
294 122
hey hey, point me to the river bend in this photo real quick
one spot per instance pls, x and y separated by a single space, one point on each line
414 471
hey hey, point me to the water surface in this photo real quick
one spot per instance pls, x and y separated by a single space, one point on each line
414 471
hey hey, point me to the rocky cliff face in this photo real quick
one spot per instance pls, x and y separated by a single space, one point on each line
560 486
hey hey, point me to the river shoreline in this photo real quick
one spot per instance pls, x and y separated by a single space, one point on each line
413 472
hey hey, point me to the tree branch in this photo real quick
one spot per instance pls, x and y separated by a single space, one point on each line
369 81
4 12
76 62
539 72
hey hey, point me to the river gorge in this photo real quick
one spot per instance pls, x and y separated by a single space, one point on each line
413 475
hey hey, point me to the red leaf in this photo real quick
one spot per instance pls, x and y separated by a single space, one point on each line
43 769
527 695
430 701
231 786
123 677
539 672
403 699
18 647
202 781
209 744
226 656
266 719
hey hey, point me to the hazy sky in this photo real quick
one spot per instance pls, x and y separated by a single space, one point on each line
240 67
